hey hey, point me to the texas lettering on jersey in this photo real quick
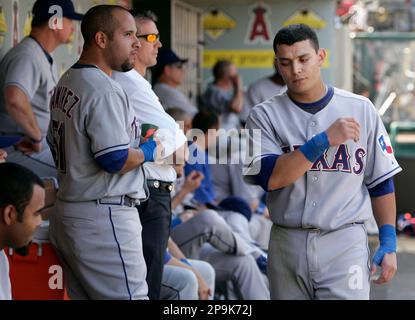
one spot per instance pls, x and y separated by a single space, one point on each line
342 160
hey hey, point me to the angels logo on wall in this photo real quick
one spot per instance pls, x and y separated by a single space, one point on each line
259 28
216 22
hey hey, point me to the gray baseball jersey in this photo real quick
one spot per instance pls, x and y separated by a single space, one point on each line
90 117
334 192
99 240
28 67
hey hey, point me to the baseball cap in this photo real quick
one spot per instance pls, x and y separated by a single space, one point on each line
167 56
237 204
7 141
41 13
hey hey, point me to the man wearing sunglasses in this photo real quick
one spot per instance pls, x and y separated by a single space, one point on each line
168 74
155 213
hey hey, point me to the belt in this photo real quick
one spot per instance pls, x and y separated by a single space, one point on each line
161 185
315 229
119 201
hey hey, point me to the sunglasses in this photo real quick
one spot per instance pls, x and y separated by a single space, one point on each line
151 37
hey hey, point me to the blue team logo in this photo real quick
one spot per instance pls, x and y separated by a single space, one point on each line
385 145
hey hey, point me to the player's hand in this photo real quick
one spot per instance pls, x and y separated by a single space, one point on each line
193 181
28 147
3 155
342 130
204 291
388 267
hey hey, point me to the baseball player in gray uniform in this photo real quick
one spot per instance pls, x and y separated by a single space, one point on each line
27 78
93 135
327 163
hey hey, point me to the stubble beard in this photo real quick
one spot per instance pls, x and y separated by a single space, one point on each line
127 65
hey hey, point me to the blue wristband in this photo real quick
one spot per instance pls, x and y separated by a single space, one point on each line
148 148
315 147
185 261
387 238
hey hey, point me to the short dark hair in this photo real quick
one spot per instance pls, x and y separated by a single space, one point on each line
144 15
16 186
295 33
99 18
205 120
220 69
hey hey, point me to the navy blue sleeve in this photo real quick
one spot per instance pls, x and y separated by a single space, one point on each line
113 162
382 188
267 166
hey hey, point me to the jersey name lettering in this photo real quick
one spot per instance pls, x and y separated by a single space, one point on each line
65 100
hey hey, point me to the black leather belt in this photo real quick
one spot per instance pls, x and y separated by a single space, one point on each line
161 185
315 229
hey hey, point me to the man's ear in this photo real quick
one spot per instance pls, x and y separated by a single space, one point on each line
322 53
9 215
101 39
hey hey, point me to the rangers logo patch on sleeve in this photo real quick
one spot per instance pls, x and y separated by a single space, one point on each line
385 144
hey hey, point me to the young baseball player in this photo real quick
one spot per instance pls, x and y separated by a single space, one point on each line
327 164
27 78
93 134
